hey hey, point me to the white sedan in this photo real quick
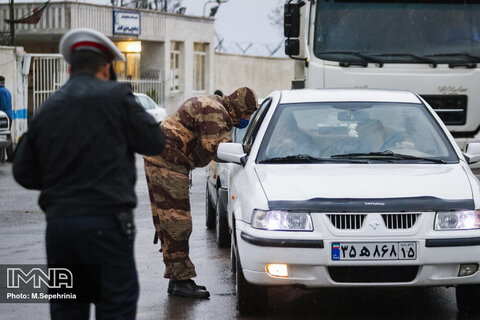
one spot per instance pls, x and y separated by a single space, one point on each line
349 188
151 107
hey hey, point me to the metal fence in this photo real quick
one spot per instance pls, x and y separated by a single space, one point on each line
151 87
49 72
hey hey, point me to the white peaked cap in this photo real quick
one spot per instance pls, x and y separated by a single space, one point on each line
88 39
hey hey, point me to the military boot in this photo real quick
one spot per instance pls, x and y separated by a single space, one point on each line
187 288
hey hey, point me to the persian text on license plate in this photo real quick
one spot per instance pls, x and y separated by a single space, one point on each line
374 251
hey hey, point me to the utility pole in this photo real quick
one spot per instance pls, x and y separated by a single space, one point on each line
12 25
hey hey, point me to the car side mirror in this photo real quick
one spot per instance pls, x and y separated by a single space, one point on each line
231 152
472 154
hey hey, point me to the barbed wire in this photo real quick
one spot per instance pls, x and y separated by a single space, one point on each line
266 49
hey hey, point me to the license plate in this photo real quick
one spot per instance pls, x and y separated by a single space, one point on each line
3 138
374 251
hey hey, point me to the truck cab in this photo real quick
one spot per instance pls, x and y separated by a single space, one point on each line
428 47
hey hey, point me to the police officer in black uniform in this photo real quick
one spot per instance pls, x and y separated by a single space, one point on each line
79 151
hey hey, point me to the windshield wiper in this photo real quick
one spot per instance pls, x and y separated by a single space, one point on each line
305 158
471 63
385 155
418 58
364 57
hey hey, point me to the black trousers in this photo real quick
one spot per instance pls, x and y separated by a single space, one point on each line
95 240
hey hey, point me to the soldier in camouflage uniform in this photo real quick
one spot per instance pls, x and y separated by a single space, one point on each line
193 134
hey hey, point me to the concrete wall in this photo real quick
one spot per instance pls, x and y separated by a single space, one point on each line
151 62
188 30
262 74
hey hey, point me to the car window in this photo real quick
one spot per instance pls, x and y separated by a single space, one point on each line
323 130
145 102
239 134
255 123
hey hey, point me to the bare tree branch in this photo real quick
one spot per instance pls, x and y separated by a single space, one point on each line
276 15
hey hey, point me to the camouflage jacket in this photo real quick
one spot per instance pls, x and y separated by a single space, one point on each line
194 132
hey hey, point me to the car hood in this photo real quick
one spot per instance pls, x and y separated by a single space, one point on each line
346 181
158 113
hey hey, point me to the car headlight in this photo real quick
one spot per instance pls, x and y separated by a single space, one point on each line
281 220
457 220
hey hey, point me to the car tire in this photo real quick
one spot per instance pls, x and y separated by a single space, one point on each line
467 298
221 220
209 210
251 299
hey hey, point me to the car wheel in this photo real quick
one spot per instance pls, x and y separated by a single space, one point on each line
251 299
467 298
221 220
209 210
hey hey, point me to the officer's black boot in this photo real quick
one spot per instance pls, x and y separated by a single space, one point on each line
187 288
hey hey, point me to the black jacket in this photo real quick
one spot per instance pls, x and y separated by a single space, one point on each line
79 149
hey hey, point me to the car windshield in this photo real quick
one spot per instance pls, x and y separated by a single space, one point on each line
408 32
145 102
354 132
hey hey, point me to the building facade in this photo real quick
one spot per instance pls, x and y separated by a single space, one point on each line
177 51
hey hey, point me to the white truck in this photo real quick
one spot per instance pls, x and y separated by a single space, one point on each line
429 47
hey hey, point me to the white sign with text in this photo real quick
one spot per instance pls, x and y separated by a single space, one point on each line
126 22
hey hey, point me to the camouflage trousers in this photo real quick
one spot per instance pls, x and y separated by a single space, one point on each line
169 199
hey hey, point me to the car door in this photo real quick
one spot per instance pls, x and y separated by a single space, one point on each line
236 170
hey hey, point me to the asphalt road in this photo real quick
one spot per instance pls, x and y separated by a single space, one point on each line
22 227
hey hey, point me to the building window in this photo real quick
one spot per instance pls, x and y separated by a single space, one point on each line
130 69
175 51
199 64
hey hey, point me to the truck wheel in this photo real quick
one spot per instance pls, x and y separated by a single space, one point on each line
209 210
467 298
251 299
221 219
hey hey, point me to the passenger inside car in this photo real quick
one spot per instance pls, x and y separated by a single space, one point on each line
371 136
288 139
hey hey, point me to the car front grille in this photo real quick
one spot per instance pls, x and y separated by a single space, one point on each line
366 274
397 221
452 109
347 221
3 123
